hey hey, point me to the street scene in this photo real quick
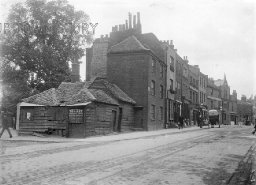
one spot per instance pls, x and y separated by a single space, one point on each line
149 92
189 156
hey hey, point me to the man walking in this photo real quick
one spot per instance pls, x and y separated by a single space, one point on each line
5 124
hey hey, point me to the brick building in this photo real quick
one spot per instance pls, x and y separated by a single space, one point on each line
170 81
244 111
213 95
193 92
225 97
140 71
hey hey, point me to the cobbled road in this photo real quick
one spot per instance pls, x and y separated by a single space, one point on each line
206 156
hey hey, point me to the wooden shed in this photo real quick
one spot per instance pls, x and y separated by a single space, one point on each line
73 110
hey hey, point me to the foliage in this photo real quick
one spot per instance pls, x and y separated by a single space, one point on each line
36 50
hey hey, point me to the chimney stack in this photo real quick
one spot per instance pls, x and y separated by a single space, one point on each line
134 21
130 20
75 71
126 24
138 18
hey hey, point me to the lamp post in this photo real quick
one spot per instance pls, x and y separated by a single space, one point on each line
221 114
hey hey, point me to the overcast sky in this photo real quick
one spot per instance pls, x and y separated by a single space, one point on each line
218 35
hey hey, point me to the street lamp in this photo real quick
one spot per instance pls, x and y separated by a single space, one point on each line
221 115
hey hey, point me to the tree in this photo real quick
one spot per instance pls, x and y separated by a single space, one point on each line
43 37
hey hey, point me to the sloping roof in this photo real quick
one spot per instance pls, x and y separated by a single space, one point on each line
128 45
48 97
112 89
140 42
69 94
150 41
101 96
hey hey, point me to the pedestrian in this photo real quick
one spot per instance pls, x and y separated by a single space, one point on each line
253 132
5 124
180 122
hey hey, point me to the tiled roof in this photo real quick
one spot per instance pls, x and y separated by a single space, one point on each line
101 96
69 94
48 97
128 45
112 89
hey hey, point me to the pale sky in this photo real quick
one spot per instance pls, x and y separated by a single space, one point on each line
217 35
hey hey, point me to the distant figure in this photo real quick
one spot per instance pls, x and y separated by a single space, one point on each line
181 122
5 124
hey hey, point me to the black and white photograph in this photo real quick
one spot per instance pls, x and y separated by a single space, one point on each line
127 92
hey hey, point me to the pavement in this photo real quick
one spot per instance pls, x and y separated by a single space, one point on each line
111 137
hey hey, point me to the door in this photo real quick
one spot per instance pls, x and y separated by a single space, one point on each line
76 123
113 121
119 119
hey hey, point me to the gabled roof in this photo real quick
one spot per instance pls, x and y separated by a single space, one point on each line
140 42
48 98
111 89
129 44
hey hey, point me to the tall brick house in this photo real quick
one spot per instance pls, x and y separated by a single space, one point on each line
170 58
137 66
96 56
193 92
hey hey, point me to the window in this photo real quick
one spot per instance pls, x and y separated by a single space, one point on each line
153 90
191 95
211 104
161 71
161 92
171 84
204 97
196 97
153 65
161 113
153 112
172 64
211 91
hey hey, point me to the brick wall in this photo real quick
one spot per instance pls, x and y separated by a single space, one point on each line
130 73
98 59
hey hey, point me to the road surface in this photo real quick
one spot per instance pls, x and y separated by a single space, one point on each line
203 156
